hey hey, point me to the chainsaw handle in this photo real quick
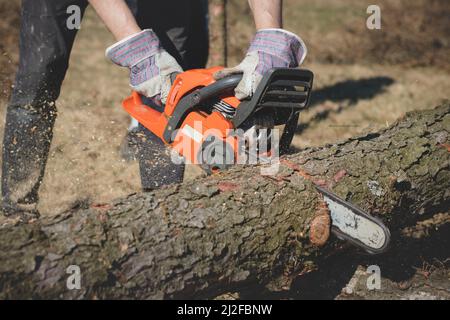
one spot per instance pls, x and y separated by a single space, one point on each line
198 96
220 86
173 77
214 89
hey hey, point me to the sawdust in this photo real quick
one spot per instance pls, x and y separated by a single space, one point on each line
9 31
85 164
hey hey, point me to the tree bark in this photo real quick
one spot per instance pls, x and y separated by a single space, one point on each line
204 237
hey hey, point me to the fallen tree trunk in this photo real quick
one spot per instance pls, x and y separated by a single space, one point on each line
204 237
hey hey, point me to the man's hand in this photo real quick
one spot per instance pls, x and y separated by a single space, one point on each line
271 48
150 65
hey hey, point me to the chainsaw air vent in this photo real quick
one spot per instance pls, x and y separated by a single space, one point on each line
286 94
280 88
225 109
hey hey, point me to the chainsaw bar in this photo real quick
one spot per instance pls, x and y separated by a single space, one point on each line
356 226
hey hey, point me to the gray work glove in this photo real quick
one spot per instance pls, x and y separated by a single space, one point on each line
271 48
150 65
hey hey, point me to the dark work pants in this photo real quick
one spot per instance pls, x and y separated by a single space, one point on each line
45 46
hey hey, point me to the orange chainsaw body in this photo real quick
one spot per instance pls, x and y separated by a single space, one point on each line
198 108
201 114
196 125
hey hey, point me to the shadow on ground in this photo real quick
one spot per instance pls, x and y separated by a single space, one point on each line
344 94
400 264
352 90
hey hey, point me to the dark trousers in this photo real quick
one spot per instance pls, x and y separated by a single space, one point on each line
45 47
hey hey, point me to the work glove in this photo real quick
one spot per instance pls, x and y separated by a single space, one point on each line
271 48
150 65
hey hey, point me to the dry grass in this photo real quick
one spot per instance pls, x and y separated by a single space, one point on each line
356 90
85 162
414 33
9 31
361 98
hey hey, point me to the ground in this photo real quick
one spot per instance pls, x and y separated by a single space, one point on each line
351 96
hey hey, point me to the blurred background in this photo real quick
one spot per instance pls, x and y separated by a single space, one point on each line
364 80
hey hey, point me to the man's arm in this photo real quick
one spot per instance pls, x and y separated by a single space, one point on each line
117 17
272 47
136 49
267 13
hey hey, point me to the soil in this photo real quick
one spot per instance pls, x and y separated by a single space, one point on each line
357 89
413 33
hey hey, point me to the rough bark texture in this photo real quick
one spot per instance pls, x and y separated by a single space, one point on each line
218 33
208 236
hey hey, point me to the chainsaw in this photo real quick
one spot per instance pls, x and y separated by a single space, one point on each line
208 126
